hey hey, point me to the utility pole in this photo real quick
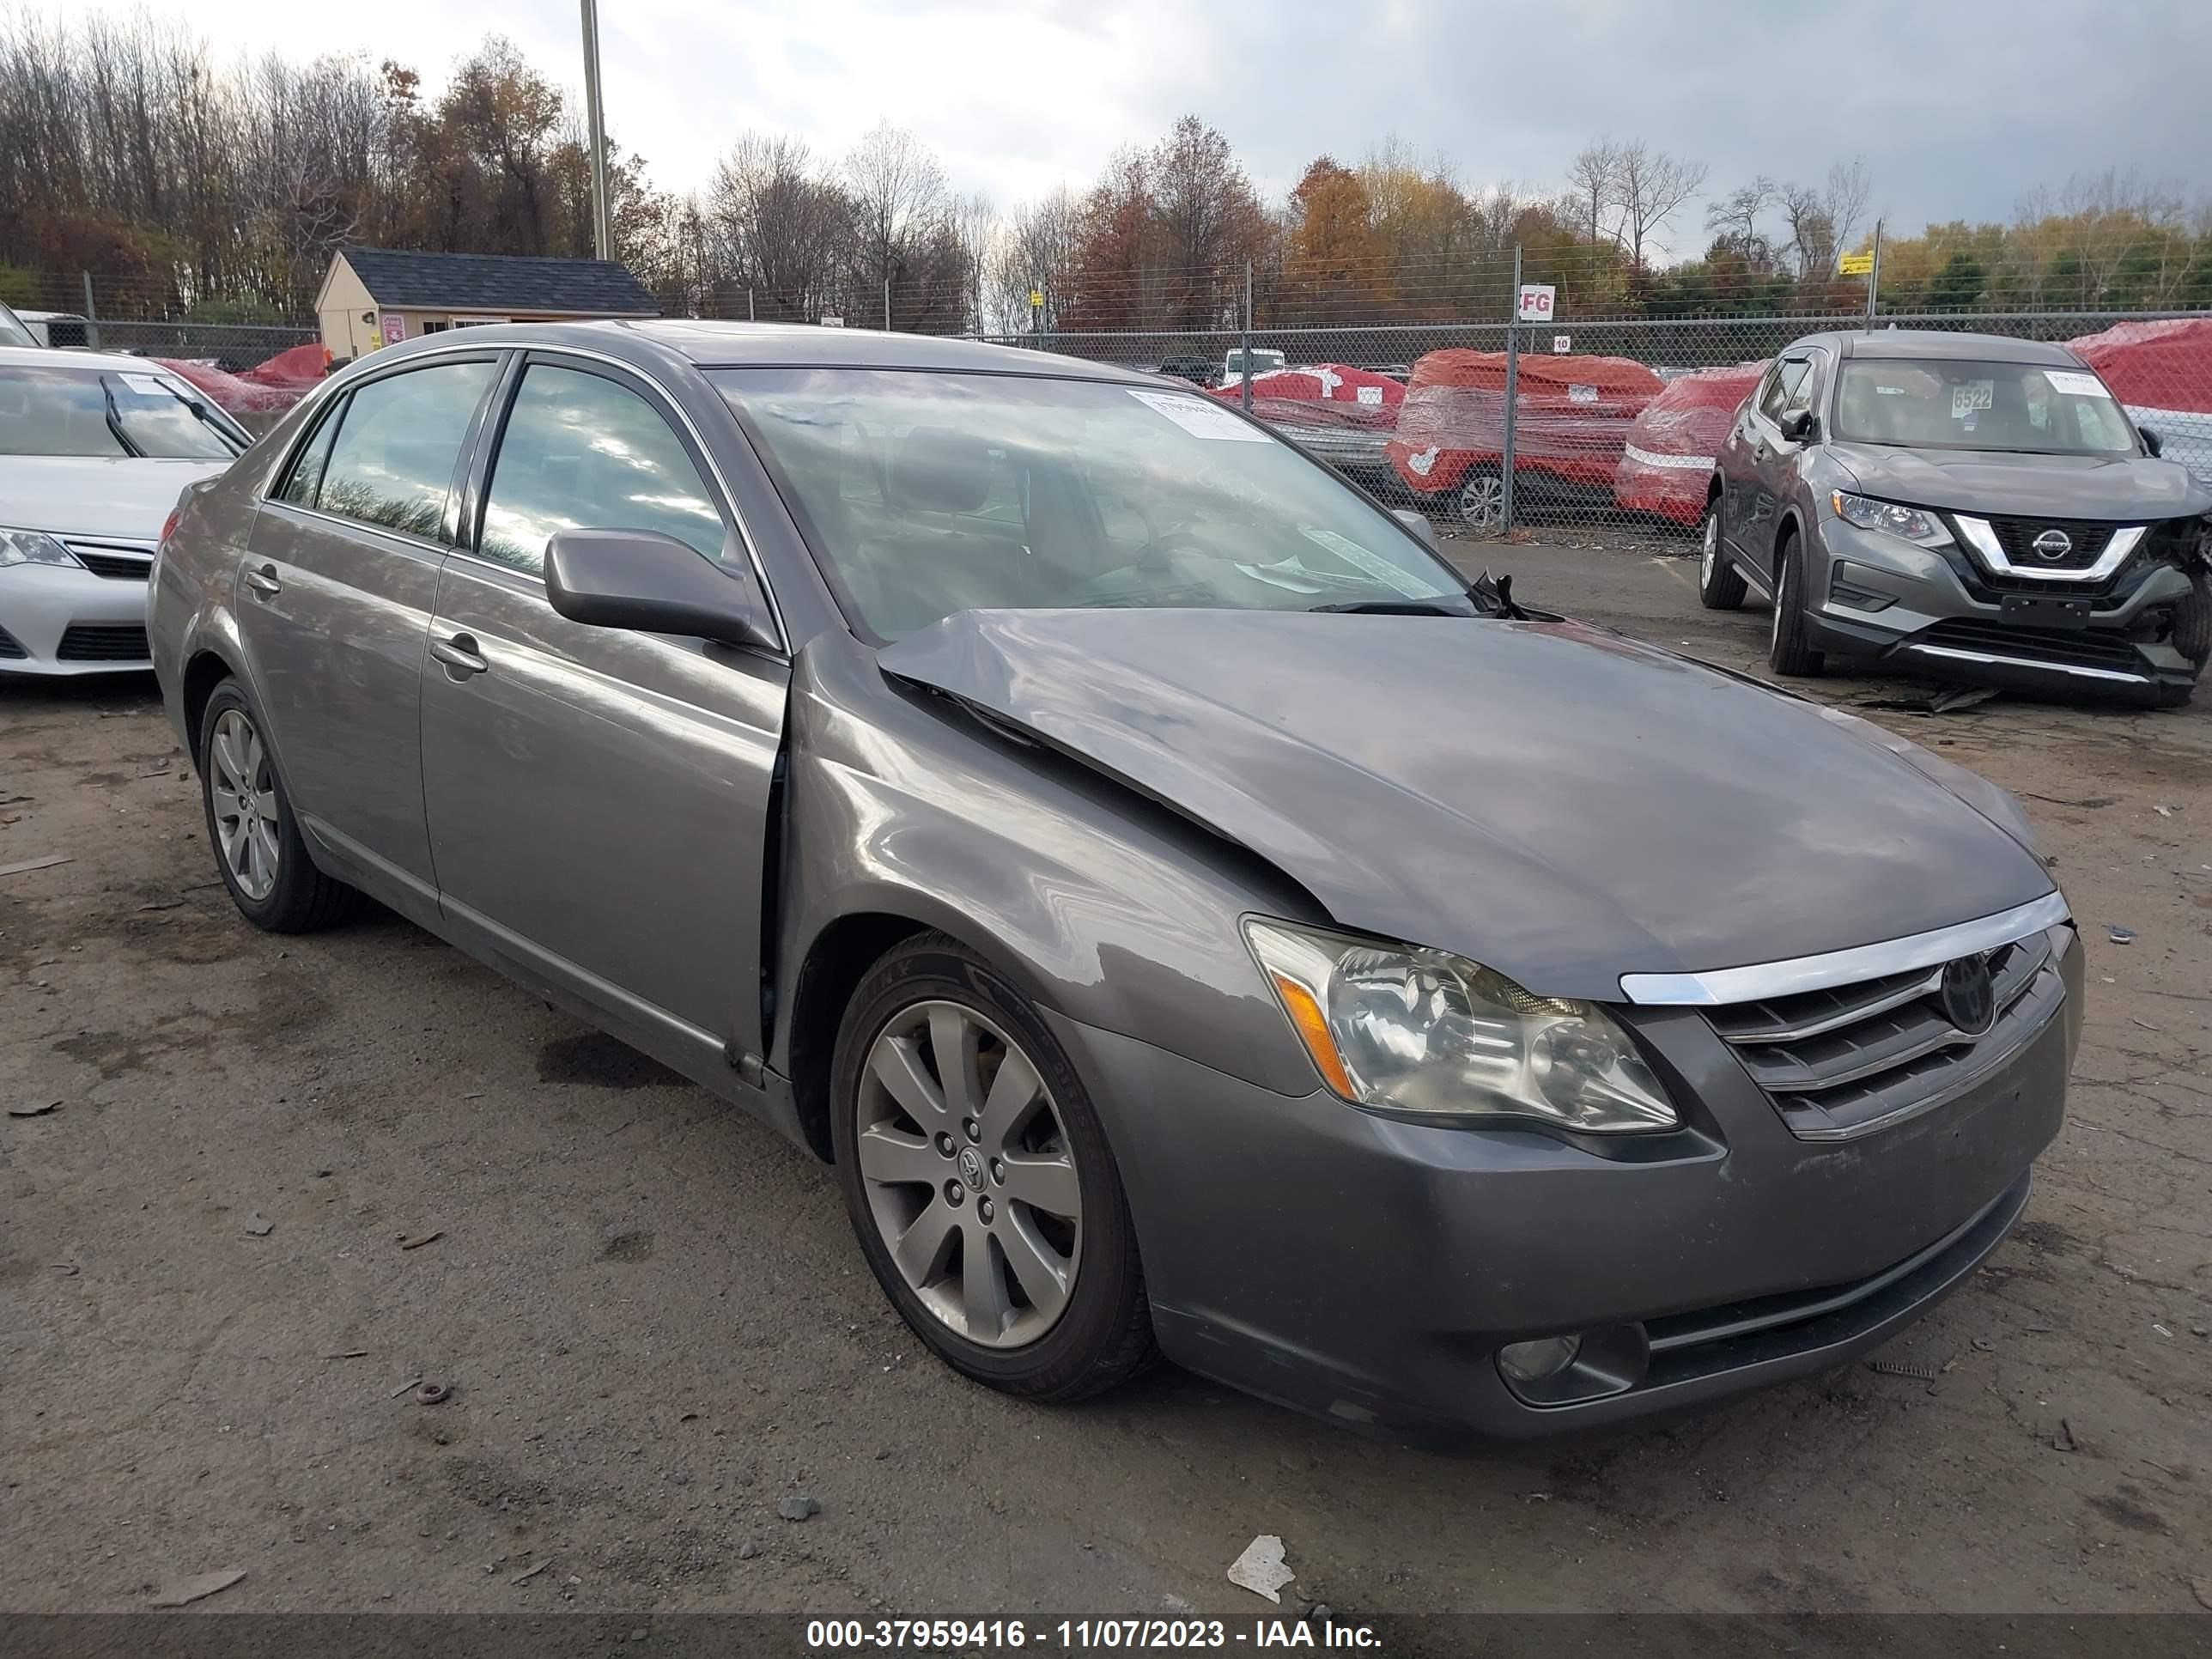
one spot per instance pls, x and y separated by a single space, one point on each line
602 235
887 305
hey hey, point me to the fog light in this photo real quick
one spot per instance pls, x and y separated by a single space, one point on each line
1533 1362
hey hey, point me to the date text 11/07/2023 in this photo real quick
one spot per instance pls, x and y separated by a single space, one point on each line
1084 1635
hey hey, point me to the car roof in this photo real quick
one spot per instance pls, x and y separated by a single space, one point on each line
59 357
768 345
1943 345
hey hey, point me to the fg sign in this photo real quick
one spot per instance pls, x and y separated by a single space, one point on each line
1536 303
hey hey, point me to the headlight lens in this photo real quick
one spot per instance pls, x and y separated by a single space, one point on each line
1423 1032
1910 522
33 547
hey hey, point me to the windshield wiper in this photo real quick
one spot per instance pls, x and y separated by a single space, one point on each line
1394 608
115 420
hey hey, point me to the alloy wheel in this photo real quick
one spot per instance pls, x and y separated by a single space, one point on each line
969 1173
244 788
1710 556
1482 501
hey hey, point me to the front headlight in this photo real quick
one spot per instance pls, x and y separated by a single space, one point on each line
1922 529
33 547
1425 1032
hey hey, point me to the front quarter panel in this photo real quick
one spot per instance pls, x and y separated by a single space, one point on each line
1099 904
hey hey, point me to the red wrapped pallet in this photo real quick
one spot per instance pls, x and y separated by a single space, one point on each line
267 388
1668 458
1342 414
1571 421
2161 372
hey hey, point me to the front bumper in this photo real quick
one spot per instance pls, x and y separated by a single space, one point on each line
1935 623
1367 1269
60 620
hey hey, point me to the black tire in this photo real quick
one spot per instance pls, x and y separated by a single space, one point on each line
1788 650
1104 1334
2192 622
1720 584
301 899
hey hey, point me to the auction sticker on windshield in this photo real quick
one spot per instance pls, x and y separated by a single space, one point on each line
2077 383
152 386
1199 418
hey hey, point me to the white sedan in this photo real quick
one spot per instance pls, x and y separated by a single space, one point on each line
94 452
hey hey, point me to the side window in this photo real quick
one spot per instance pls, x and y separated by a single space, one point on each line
392 462
1790 376
1801 394
304 483
581 453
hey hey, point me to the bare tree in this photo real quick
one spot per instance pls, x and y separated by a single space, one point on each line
777 221
1812 244
1594 182
1848 191
899 199
1649 188
1035 255
1735 219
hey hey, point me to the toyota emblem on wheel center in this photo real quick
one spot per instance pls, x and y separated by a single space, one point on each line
2052 545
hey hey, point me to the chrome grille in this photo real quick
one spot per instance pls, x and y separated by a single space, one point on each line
1841 1061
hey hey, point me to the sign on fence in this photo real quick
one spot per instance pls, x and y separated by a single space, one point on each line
1856 264
1536 303
1563 343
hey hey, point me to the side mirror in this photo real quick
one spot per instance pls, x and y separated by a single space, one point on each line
641 580
1800 427
1418 523
2152 441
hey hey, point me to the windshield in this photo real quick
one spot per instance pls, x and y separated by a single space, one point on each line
12 331
925 493
46 411
2020 408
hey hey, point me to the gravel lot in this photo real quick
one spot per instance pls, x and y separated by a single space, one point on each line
655 1324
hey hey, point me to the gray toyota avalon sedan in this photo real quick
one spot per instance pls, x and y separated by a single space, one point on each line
1961 505
1191 919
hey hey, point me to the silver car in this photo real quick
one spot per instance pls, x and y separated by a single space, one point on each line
1191 919
94 452
1962 505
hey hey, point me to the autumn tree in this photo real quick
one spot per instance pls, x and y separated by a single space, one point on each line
1333 262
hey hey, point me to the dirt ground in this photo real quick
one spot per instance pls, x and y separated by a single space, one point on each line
655 1325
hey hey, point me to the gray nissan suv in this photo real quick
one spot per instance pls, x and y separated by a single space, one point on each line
1961 505
1190 919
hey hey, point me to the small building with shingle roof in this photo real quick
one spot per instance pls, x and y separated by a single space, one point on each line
374 296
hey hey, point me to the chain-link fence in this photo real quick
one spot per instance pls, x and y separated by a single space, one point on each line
148 317
1611 423
1605 410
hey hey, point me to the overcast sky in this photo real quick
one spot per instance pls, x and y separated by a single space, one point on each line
1959 107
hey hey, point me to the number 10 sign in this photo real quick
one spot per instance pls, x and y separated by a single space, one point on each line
1536 303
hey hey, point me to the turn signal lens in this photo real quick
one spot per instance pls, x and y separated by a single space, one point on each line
1312 1027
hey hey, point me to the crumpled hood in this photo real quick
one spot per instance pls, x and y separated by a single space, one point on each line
122 496
1986 484
1552 800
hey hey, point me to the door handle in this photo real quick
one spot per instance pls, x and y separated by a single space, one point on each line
263 580
459 654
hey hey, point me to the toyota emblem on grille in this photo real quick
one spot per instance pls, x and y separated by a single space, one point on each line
2052 546
1969 999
